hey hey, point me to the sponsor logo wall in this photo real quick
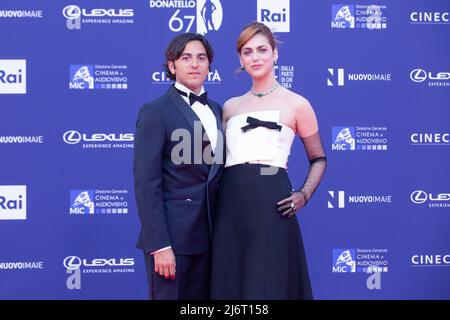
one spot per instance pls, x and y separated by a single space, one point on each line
376 74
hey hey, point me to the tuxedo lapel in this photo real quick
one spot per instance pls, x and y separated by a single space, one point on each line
217 115
185 110
188 113
219 154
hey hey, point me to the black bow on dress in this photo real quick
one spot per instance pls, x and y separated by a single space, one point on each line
254 123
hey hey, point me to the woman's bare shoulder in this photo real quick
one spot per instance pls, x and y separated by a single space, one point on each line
298 101
231 106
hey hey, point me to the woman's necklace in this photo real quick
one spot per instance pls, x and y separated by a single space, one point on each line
262 94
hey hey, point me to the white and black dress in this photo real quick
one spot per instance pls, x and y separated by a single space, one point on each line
257 253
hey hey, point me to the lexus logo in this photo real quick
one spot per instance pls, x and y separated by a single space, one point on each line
72 262
72 137
418 75
71 12
419 196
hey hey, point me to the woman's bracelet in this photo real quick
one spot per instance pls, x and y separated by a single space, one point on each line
304 196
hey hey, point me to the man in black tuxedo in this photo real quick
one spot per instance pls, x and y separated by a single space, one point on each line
178 157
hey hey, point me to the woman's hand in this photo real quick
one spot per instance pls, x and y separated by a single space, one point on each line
288 207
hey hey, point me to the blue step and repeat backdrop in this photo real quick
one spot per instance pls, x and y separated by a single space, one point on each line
73 75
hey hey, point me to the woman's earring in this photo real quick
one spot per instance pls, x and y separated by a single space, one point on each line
274 62
242 68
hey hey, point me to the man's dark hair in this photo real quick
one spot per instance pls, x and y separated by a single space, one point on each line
177 45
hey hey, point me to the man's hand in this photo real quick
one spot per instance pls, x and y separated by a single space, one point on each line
165 264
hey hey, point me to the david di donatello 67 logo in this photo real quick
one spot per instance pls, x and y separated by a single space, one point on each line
207 15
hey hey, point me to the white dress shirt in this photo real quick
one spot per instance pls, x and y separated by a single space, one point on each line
204 113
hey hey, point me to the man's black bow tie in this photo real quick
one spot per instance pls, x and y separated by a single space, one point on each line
254 123
203 98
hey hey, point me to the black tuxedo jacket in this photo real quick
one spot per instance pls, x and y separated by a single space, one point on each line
175 200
